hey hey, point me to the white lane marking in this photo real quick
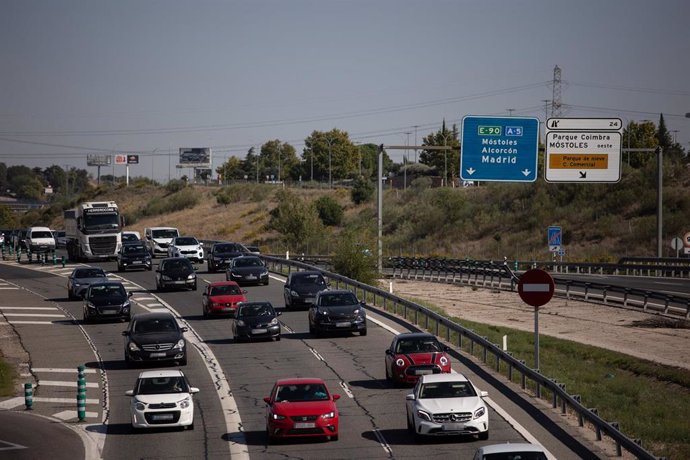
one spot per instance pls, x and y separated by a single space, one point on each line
8 288
12 403
29 308
35 315
316 353
57 383
140 298
383 442
61 370
72 414
346 389
11 446
65 400
31 322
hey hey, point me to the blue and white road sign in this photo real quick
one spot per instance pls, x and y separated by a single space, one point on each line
500 149
554 238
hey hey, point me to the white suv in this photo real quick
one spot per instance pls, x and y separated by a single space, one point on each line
186 246
158 239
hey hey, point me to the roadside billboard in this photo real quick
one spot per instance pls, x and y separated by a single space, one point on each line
195 156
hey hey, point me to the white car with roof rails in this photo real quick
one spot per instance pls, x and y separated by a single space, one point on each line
158 239
187 246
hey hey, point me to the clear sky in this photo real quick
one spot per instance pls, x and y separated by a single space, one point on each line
149 77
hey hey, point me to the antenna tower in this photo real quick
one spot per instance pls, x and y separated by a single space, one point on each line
556 98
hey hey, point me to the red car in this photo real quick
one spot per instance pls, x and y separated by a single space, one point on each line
221 298
413 354
301 408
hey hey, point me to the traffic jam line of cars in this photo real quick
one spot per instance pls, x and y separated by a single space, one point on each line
441 403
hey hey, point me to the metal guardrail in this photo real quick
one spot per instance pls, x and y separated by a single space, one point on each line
490 274
458 335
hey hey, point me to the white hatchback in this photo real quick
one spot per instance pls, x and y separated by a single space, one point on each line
186 246
446 405
162 399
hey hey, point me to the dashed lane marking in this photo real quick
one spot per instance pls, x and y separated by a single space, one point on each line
56 383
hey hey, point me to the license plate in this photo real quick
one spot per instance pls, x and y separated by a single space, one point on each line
342 324
109 312
157 355
259 331
138 262
251 277
423 372
299 425
453 427
162 417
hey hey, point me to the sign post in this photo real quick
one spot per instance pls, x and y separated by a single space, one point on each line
500 149
536 287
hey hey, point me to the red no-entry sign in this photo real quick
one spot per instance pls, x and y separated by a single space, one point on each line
536 287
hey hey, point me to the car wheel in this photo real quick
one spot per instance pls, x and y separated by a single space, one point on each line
128 362
363 332
266 283
194 287
205 312
227 277
70 295
312 330
388 375
484 435
211 268
120 268
278 338
85 318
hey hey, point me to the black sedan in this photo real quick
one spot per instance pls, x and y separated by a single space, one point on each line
337 311
301 288
155 337
256 320
133 255
221 254
247 270
108 300
175 273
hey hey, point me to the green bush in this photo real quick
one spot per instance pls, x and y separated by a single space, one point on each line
362 190
354 260
183 199
330 212
175 186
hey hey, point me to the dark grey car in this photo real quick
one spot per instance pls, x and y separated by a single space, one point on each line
155 336
337 311
247 270
175 273
105 301
301 288
221 254
81 278
133 255
256 320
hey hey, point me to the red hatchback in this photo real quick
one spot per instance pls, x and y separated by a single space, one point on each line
221 298
301 408
413 354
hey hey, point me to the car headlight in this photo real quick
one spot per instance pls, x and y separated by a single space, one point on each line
400 362
356 312
479 412
180 344
274 322
277 416
264 273
191 277
443 361
140 406
133 346
184 403
324 312
76 284
423 415
240 323
235 275
166 278
330 414
90 305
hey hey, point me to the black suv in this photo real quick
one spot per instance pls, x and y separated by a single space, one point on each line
220 255
337 310
301 288
175 273
107 300
155 337
133 255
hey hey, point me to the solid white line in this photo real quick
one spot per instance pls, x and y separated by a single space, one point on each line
28 308
61 370
64 400
8 288
36 315
56 383
31 322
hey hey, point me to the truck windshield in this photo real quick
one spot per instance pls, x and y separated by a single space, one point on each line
101 222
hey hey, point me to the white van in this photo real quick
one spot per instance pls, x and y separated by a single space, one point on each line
40 239
158 239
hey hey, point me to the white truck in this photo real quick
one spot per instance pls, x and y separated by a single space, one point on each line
93 231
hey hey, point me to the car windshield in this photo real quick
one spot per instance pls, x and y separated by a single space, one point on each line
309 280
333 300
41 234
129 237
225 290
229 247
186 241
418 346
168 233
516 456
177 264
436 390
248 262
90 273
302 392
154 325
256 310
133 249
107 290
161 385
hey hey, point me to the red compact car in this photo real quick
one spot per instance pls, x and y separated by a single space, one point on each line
221 298
301 408
414 354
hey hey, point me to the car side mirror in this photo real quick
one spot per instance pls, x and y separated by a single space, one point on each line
336 397
244 291
183 329
204 293
129 393
388 351
446 348
483 394
125 333
193 390
201 243
362 303
278 313
267 400
130 294
410 397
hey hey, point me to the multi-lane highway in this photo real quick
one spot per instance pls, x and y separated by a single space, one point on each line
234 378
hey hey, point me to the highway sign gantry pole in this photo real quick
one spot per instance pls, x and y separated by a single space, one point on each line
536 287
